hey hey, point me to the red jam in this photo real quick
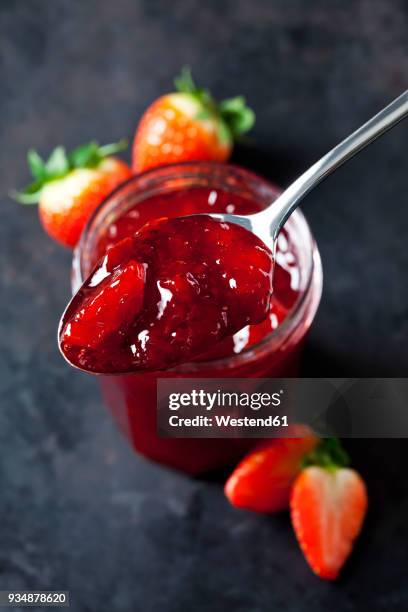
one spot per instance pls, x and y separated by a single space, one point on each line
166 294
201 200
253 351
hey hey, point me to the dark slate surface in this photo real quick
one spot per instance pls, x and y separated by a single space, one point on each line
78 510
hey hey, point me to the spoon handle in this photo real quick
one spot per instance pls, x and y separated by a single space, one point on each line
283 207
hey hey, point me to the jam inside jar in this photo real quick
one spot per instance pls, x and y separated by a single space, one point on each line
270 349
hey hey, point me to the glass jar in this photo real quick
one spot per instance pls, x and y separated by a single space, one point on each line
131 398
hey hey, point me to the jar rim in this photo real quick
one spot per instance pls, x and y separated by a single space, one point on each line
306 304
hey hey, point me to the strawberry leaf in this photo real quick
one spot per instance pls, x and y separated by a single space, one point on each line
224 132
85 156
36 164
91 154
114 147
30 195
57 164
184 82
203 115
237 115
329 454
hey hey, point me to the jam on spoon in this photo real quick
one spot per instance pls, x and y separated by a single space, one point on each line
167 294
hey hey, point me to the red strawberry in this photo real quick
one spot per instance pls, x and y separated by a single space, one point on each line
263 479
328 506
188 125
68 188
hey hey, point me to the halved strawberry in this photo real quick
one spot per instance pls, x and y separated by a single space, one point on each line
262 481
188 125
68 187
328 506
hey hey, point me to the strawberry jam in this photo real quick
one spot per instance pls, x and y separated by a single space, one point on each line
269 348
168 293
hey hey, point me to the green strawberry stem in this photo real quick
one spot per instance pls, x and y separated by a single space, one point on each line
60 163
329 454
233 116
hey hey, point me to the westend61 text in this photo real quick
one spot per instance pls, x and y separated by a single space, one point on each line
223 422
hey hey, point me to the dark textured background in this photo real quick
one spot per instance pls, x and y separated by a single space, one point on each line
77 510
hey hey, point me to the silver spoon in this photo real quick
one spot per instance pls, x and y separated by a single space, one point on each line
267 223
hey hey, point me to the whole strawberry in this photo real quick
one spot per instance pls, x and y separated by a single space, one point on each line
189 125
68 187
262 481
328 505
